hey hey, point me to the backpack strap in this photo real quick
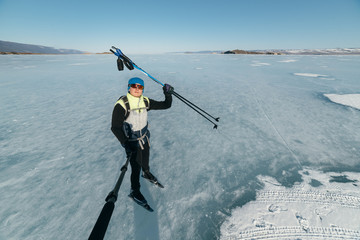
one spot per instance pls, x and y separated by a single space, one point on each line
127 105
146 101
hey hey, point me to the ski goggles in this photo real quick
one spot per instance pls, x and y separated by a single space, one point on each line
137 86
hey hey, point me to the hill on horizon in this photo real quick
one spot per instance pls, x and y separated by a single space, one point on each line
22 48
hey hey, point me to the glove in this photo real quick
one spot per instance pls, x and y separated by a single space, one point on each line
168 89
129 147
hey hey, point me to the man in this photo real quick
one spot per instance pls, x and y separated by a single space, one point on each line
130 126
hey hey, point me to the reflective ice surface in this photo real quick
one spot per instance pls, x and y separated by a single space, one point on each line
59 159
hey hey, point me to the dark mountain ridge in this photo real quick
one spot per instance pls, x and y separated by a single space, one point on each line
22 48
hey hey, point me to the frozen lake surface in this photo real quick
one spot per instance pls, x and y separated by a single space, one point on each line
323 206
287 124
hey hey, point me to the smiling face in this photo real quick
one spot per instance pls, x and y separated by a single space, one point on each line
135 90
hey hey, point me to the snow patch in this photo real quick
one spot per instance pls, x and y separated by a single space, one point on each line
328 78
351 100
306 211
288 61
313 75
259 64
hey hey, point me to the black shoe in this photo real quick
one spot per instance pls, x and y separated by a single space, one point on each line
151 178
137 196
147 175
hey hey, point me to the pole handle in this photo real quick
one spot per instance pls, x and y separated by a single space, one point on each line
102 222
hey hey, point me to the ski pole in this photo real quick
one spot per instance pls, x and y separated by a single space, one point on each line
128 61
181 97
184 101
103 220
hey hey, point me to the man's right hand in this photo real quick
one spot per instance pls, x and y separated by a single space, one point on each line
129 146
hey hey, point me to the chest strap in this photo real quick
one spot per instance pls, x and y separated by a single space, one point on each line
127 105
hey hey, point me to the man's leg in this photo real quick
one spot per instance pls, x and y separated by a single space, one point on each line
135 171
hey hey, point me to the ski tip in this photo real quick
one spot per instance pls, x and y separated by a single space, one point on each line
147 207
215 126
144 205
156 183
217 119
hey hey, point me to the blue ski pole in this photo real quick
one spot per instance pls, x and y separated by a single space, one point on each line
131 65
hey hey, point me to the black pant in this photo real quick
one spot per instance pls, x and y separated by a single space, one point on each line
139 160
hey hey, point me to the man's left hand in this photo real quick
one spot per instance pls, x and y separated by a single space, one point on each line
168 89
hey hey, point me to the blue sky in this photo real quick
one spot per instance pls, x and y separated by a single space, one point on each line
142 26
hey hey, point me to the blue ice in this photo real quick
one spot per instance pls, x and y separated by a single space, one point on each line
59 159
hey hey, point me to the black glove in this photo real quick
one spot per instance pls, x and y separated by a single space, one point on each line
168 89
129 146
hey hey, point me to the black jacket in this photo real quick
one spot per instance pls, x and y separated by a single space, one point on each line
118 116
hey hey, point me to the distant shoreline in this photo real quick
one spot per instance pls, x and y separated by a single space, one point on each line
13 48
332 51
324 52
27 53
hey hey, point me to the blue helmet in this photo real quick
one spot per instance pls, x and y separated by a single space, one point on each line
135 80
